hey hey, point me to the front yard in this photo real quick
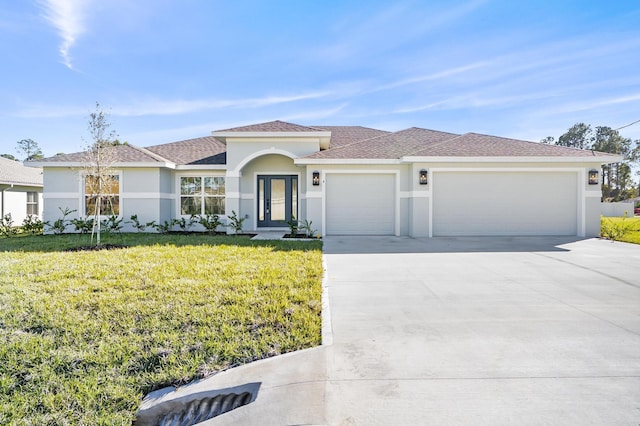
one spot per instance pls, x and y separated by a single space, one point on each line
85 335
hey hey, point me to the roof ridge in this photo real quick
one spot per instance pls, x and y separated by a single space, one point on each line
361 140
150 153
248 127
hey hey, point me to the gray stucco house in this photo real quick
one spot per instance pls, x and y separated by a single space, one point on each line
20 190
350 180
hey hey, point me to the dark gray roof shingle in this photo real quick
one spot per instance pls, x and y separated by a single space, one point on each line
206 150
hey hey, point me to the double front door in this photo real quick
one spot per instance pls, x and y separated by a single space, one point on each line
277 200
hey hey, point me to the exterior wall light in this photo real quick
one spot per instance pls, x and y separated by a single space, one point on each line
423 177
316 178
593 177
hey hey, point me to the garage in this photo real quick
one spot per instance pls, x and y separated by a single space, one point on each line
504 203
360 204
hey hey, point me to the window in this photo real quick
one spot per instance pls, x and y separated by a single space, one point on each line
202 195
110 200
32 203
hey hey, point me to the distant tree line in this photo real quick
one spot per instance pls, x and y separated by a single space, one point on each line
617 181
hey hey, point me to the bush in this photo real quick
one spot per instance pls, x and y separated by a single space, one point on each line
84 226
140 227
32 224
211 222
6 226
235 222
616 231
60 225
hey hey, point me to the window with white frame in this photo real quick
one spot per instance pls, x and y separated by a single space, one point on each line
106 190
32 203
202 195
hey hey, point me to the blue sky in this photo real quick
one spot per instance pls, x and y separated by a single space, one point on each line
173 70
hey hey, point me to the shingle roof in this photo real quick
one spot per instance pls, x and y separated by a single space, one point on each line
122 154
347 142
477 145
345 135
13 172
206 150
386 146
417 142
272 126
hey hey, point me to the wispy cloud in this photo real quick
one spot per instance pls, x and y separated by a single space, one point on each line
161 107
434 76
67 17
176 107
595 104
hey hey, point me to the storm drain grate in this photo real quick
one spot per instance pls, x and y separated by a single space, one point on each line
204 409
189 405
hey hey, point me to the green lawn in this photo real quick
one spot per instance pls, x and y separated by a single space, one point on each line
625 229
85 335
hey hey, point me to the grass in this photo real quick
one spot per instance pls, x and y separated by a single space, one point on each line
625 229
85 335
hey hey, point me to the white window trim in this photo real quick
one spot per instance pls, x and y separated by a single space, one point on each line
83 195
33 203
200 174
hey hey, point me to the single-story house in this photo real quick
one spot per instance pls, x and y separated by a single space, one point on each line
20 190
350 180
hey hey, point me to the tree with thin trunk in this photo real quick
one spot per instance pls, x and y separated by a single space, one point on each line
99 176
30 149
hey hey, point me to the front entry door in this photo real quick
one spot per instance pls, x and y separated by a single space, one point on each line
277 200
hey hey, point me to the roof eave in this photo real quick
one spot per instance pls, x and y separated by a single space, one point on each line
514 159
30 184
201 167
305 161
118 164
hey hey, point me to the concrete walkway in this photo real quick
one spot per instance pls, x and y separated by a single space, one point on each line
467 331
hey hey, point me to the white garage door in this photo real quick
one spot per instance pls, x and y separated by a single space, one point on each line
360 204
504 203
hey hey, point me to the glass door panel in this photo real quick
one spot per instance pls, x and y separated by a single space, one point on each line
278 197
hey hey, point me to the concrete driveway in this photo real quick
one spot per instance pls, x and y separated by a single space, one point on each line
494 331
462 331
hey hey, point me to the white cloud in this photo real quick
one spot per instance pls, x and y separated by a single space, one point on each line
155 107
67 17
440 75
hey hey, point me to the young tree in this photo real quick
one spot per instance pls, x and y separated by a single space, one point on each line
99 177
30 149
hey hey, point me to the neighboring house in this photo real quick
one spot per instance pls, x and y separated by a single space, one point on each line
20 190
350 180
